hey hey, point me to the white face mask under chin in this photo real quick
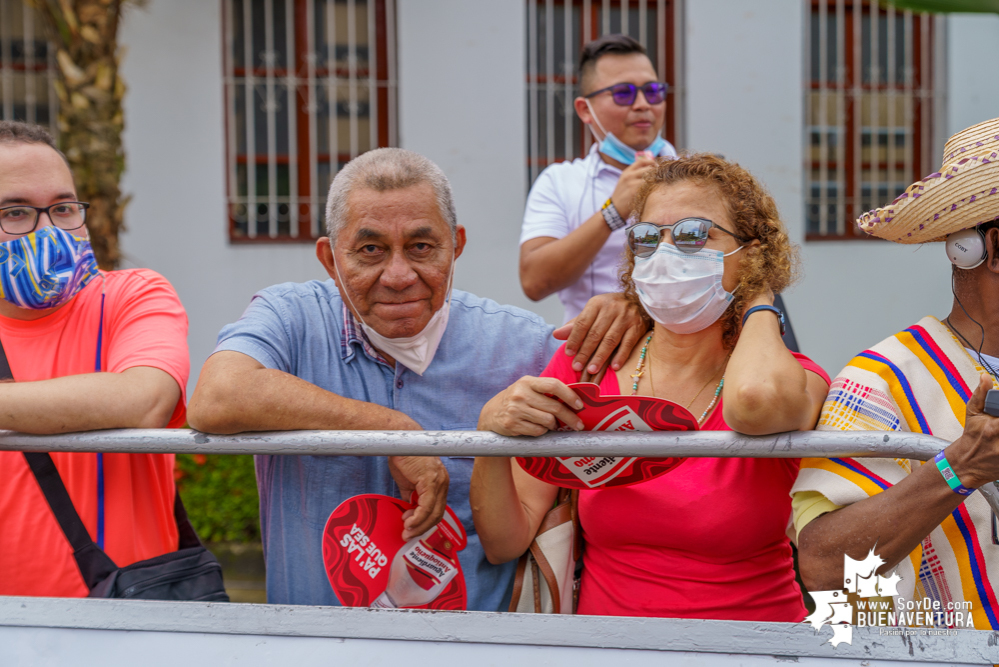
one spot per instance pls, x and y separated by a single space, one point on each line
414 352
682 292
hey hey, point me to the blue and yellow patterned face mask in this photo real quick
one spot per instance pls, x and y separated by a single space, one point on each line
45 269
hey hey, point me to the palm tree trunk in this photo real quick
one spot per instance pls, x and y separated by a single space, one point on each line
84 34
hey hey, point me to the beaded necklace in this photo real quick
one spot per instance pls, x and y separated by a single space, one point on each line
640 371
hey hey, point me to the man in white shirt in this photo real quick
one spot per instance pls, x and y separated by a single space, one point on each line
572 241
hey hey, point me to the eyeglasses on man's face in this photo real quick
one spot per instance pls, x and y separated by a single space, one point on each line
624 94
689 235
20 220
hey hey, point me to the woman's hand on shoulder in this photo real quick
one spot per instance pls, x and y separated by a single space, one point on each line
531 406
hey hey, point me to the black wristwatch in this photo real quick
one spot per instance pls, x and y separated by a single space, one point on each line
780 315
992 402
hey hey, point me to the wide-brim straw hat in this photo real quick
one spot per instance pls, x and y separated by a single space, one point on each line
962 194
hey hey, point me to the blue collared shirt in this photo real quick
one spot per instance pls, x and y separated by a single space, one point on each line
301 329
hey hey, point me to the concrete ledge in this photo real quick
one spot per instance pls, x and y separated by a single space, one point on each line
674 635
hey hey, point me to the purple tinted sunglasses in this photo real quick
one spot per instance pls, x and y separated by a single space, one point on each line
624 94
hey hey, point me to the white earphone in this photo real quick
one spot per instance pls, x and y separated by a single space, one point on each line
966 248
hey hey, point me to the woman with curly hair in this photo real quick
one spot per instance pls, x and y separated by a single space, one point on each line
706 540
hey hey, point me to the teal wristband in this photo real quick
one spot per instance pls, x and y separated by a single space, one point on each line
950 476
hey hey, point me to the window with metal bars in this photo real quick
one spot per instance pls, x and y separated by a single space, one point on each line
869 110
556 33
309 85
27 67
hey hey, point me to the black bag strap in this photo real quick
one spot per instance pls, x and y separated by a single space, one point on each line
94 564
5 373
188 536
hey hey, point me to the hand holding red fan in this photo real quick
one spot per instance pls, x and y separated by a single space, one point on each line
370 565
612 413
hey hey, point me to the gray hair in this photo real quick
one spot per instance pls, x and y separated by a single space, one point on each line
384 169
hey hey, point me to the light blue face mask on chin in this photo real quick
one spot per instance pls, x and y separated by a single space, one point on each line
616 149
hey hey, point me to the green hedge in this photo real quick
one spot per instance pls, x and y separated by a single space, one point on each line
220 495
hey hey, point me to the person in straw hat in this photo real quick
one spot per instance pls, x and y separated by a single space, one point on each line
922 520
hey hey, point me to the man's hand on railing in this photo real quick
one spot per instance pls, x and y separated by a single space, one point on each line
427 477
974 457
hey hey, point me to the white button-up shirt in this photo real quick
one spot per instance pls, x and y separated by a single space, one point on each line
566 195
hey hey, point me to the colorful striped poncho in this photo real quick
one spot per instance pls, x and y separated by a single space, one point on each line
918 380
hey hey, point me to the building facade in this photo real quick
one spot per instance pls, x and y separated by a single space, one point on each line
231 140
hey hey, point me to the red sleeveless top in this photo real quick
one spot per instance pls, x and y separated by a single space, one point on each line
706 540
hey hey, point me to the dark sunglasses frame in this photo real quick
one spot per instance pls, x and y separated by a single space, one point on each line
47 211
687 249
618 91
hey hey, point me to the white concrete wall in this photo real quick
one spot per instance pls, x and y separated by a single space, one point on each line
175 146
461 104
462 101
973 94
746 101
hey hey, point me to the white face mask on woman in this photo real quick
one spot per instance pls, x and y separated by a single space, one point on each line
413 352
681 291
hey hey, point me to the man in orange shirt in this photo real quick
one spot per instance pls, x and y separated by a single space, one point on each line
88 350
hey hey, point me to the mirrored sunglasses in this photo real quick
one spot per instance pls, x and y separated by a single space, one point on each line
624 94
689 235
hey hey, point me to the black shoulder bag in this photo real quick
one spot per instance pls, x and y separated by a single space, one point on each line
190 573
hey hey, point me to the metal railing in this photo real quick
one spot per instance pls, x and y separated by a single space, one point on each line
818 444
97 626
797 444
729 444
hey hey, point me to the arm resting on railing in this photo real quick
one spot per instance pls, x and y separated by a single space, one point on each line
139 397
893 523
900 517
766 388
507 503
236 393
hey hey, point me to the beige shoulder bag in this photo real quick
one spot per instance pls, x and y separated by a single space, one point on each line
545 580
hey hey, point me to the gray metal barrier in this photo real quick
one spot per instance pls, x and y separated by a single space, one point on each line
57 631
822 444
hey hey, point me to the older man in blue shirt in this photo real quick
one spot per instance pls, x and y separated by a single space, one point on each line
386 344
